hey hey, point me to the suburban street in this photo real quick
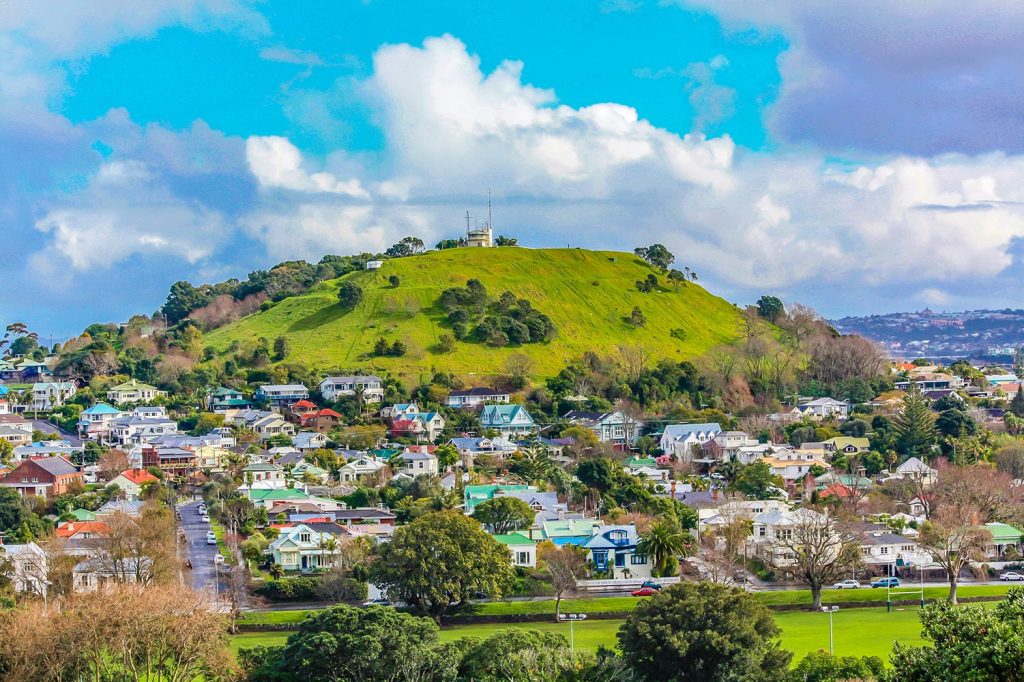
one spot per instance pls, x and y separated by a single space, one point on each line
203 572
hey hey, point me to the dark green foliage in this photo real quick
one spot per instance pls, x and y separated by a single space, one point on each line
647 285
182 300
349 294
914 425
637 317
502 240
755 480
450 244
20 524
855 428
282 347
657 255
346 644
820 666
290 589
770 307
1017 404
394 281
504 514
703 631
954 423
383 348
408 246
497 323
517 654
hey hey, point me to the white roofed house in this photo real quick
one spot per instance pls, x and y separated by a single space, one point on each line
617 428
727 444
272 424
301 548
138 430
309 440
50 394
823 408
477 397
916 470
773 532
282 394
416 462
680 439
133 392
369 387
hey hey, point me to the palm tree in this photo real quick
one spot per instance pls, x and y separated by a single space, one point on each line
328 543
662 542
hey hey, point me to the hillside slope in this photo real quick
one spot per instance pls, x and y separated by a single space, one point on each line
587 294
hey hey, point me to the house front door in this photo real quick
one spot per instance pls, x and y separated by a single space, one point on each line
305 563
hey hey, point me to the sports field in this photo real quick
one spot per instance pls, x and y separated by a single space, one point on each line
860 632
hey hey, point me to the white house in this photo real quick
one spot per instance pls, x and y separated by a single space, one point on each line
300 548
679 439
399 410
917 470
511 421
130 481
793 465
307 441
94 423
50 394
477 396
369 387
880 548
282 394
272 424
28 567
415 462
133 392
616 427
523 549
358 468
822 408
772 530
260 476
134 430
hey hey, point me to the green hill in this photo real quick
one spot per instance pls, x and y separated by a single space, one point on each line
587 294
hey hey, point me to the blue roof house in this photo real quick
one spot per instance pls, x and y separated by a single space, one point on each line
509 420
613 549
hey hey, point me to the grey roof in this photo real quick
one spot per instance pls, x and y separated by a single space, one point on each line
56 466
476 391
884 538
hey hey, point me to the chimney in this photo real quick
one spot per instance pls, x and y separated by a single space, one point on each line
714 494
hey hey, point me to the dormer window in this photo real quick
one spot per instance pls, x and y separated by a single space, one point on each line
305 537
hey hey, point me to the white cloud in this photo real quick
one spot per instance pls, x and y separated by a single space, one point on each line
276 162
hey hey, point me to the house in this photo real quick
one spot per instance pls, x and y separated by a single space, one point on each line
613 549
823 408
353 471
28 567
1005 543
173 460
322 421
260 476
17 433
522 548
5 406
94 423
130 481
510 421
369 388
415 462
133 392
304 470
915 469
374 264
567 531
283 497
307 441
48 448
881 548
421 426
94 574
363 516
793 465
771 531
634 464
477 397
729 510
22 371
125 507
470 447
399 410
931 381
616 427
847 445
50 394
222 398
140 427
46 477
475 494
301 548
270 425
679 439
82 530
283 394
728 444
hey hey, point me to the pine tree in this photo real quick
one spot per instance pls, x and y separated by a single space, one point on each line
915 425
1017 404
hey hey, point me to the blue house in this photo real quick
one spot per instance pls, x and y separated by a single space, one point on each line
511 421
614 549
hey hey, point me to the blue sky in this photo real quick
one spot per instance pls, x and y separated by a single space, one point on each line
857 157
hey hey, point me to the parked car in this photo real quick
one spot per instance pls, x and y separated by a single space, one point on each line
644 592
740 577
1012 575
377 602
717 476
651 584
218 559
205 518
211 538
886 582
847 585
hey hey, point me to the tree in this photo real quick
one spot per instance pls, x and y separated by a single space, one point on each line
663 542
504 514
637 317
518 366
657 255
440 560
349 294
182 299
823 551
770 308
703 631
447 456
677 278
282 348
394 281
445 343
112 462
346 644
965 643
914 425
821 666
502 240
755 480
1017 404
953 537
565 565
520 655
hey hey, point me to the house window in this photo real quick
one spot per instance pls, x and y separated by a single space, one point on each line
638 559
865 551
523 558
762 531
784 533
304 537
620 560
600 560
883 550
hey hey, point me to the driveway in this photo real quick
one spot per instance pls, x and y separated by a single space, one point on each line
203 573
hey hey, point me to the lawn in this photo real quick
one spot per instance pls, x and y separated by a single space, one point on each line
861 632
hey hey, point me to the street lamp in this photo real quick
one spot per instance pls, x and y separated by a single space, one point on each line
830 610
571 618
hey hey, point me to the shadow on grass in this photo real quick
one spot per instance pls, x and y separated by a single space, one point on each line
318 319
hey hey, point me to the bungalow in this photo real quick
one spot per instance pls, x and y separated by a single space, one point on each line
882 548
421 426
281 394
94 574
48 448
930 381
307 441
133 392
616 427
260 476
222 398
477 397
728 444
46 477
94 423
917 470
301 548
771 531
793 465
522 548
614 549
82 530
369 387
125 507
470 447
847 445
270 425
415 462
304 470
355 470
269 499
50 394
16 433
510 421
28 567
1005 544
574 531
823 408
130 481
679 439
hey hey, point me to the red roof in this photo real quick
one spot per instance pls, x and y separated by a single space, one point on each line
304 404
837 489
423 449
139 476
76 527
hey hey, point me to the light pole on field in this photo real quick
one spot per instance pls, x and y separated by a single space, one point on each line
572 618
830 610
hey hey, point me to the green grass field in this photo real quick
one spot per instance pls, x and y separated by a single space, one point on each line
587 294
859 632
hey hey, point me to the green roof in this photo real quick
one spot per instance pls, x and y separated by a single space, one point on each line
567 528
475 494
635 462
513 539
83 515
1002 532
129 386
279 494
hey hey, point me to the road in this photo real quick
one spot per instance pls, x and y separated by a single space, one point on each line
203 572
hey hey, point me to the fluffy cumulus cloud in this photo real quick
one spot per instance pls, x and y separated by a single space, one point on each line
918 77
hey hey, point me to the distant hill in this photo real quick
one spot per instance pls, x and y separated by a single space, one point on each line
587 294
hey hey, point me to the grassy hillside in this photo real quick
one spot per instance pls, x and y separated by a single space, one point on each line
587 294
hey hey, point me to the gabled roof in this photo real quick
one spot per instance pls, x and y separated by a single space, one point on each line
55 466
138 476
304 404
102 408
76 527
681 431
503 414
478 391
513 539
132 386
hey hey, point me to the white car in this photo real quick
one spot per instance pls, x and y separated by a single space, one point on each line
1012 575
211 538
847 585
218 559
205 518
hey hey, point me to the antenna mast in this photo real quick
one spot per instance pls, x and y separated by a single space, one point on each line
489 223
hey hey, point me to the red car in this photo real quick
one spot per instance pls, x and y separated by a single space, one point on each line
644 592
